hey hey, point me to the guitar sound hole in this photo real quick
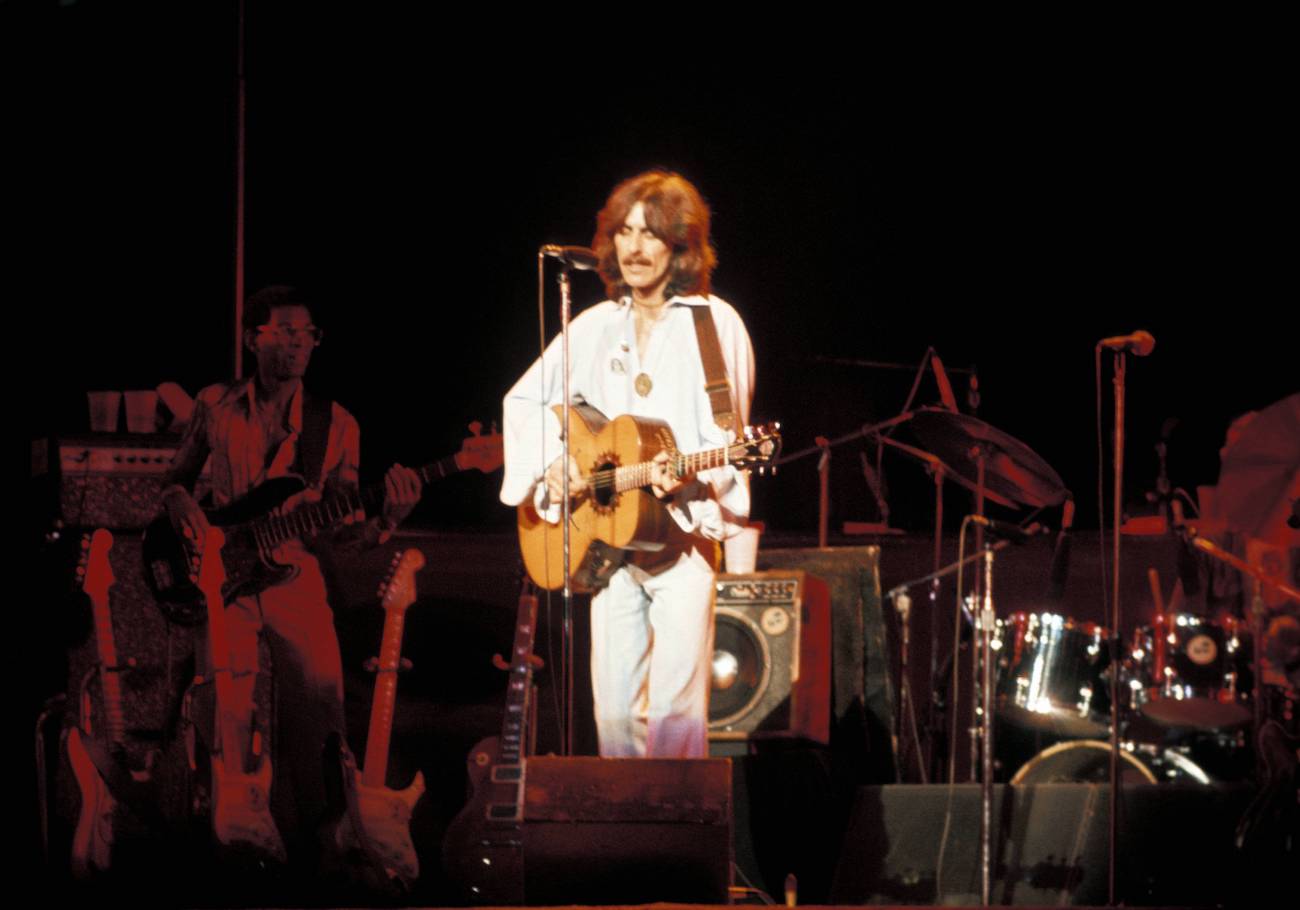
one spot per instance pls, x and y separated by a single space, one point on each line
602 487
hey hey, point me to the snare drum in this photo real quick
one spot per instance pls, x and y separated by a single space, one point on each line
1187 672
1049 674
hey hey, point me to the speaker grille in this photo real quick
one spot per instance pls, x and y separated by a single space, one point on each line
742 667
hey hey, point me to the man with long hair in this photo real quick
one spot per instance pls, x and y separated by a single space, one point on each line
637 353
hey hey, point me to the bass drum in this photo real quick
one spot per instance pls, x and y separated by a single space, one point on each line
1088 761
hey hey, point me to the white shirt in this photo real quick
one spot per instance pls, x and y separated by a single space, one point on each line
605 364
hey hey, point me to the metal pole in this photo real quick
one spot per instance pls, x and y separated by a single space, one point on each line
240 149
823 492
1117 506
986 615
566 647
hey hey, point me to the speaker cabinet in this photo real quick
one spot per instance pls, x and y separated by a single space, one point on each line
583 830
919 844
771 657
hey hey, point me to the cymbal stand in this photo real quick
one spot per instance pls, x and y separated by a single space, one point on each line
978 690
986 622
939 471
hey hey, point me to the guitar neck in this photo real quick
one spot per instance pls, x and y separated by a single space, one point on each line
109 680
514 728
381 713
312 518
212 575
97 583
634 476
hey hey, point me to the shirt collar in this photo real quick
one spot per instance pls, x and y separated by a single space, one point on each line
293 419
693 300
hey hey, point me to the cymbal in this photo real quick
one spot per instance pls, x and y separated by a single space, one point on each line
1013 472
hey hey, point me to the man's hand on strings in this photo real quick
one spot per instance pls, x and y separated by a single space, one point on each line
555 481
663 477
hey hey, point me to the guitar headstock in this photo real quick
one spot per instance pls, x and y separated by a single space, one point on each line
397 592
95 570
486 453
757 447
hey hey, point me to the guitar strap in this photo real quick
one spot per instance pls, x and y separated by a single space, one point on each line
715 370
309 460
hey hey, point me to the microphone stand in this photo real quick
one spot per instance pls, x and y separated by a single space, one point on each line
1117 505
566 645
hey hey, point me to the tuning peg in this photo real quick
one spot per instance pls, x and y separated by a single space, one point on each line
476 427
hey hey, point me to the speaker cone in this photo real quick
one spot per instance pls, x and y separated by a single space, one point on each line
741 668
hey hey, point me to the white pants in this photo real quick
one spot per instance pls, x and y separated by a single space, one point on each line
651 659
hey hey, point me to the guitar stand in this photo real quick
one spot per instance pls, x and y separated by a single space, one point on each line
55 708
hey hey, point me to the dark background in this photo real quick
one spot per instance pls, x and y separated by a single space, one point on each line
1007 195
1008 210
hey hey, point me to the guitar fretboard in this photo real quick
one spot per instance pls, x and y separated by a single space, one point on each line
308 519
634 476
398 595
97 581
517 693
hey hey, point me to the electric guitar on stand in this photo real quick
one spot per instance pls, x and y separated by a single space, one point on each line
383 814
619 512
241 775
483 848
98 757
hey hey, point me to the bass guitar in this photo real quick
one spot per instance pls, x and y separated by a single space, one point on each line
618 511
255 526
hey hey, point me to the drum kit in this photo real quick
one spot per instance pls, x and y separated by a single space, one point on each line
1185 679
1184 699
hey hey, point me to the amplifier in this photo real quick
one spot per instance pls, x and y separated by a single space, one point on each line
771 657
114 480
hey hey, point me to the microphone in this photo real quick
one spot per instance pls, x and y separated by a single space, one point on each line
1008 531
1139 344
577 257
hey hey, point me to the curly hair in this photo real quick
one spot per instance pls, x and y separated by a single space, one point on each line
676 213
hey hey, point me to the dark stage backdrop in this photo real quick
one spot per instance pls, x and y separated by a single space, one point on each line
405 171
